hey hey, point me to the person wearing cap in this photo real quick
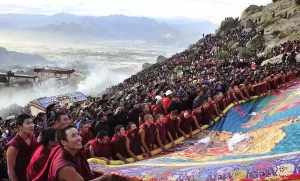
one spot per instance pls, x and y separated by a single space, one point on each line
157 106
167 100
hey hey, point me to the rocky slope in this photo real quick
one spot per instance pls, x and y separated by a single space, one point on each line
279 19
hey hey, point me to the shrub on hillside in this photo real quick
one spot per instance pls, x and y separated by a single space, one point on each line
275 33
228 24
253 9
283 35
268 20
297 2
257 44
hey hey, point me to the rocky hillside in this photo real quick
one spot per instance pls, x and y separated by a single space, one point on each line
256 32
279 19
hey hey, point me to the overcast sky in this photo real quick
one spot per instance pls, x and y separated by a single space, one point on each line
212 10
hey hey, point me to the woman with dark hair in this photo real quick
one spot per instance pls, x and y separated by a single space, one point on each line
41 154
20 148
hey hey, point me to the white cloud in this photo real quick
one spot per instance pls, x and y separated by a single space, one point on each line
213 10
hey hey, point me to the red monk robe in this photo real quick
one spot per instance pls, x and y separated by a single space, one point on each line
40 174
57 159
119 146
150 132
37 163
220 102
135 141
163 131
171 127
24 155
208 110
101 148
197 115
61 158
187 123
86 136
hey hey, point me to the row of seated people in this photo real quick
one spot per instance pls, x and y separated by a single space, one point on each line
159 129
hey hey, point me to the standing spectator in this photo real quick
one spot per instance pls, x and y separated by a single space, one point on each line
167 100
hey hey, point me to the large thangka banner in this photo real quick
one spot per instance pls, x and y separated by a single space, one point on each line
258 140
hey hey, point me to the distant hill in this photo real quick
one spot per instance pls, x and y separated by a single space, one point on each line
191 29
11 58
115 27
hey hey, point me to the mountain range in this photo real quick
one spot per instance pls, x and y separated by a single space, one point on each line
114 27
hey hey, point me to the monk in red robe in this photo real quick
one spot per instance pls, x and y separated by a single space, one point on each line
197 116
208 112
101 146
187 123
239 93
118 143
85 132
231 96
67 163
164 133
250 88
175 120
213 106
41 155
172 125
149 134
134 140
20 149
245 91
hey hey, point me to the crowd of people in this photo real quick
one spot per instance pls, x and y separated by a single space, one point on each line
146 111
